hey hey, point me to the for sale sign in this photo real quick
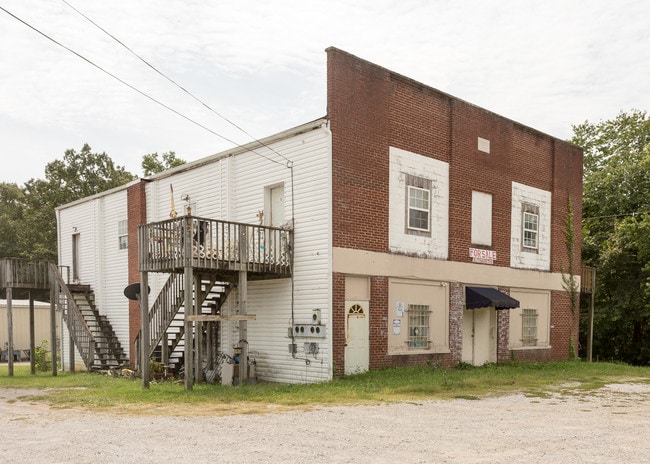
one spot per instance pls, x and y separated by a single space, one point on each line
479 255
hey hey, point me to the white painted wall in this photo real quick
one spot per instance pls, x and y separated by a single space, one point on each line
230 187
525 259
233 188
101 264
436 245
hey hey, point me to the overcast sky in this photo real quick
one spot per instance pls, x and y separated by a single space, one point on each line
261 65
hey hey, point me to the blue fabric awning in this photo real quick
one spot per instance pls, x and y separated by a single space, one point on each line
484 297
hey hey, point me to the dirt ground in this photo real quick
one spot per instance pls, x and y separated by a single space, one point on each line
611 425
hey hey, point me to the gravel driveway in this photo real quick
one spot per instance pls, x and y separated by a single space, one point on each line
611 425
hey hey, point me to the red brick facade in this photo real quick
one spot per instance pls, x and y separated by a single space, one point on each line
137 214
371 109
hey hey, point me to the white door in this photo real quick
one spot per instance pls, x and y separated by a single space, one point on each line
357 353
479 336
75 257
277 206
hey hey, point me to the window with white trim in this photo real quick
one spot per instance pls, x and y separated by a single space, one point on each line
530 227
529 327
418 209
418 326
123 234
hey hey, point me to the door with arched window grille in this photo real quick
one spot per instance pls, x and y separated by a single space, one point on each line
357 353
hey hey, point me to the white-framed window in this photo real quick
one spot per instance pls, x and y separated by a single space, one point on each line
529 327
418 316
530 227
418 209
123 234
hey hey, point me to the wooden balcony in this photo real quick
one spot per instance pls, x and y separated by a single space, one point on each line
220 247
588 280
26 277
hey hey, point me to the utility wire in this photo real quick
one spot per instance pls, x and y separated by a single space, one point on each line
174 82
638 213
133 87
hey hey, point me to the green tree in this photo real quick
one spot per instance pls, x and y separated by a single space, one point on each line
616 238
152 164
11 216
77 175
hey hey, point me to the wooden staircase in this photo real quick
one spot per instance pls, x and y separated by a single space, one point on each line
108 352
90 331
167 317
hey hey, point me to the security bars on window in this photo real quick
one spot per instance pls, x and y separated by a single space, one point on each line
418 326
529 327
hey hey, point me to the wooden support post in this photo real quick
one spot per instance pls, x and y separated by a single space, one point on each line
143 300
92 350
209 358
71 355
187 305
165 349
243 328
189 339
590 328
53 333
32 344
198 339
10 334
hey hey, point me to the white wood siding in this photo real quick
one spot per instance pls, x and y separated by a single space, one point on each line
233 188
101 264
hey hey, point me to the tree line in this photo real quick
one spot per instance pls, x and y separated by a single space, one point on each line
27 213
615 226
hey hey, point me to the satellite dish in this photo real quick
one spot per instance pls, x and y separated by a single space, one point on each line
132 292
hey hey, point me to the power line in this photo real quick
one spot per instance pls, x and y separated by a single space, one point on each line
638 213
133 87
173 81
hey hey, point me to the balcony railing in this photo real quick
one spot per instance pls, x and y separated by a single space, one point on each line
171 245
21 273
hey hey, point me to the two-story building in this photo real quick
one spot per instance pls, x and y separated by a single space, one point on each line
405 227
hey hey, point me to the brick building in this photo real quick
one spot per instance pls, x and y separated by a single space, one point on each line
421 182
405 227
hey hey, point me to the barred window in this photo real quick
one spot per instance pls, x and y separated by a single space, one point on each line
122 235
529 327
418 326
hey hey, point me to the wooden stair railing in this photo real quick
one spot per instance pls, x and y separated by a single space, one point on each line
166 307
80 333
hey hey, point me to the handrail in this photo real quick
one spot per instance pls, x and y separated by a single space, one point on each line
77 326
215 244
22 273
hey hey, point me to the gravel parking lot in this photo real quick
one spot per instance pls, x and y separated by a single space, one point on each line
611 425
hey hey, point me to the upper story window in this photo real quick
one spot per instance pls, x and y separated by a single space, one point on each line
419 205
122 234
530 227
481 218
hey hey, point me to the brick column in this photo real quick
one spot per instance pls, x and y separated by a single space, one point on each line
137 214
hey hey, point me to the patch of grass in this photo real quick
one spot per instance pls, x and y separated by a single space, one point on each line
102 392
